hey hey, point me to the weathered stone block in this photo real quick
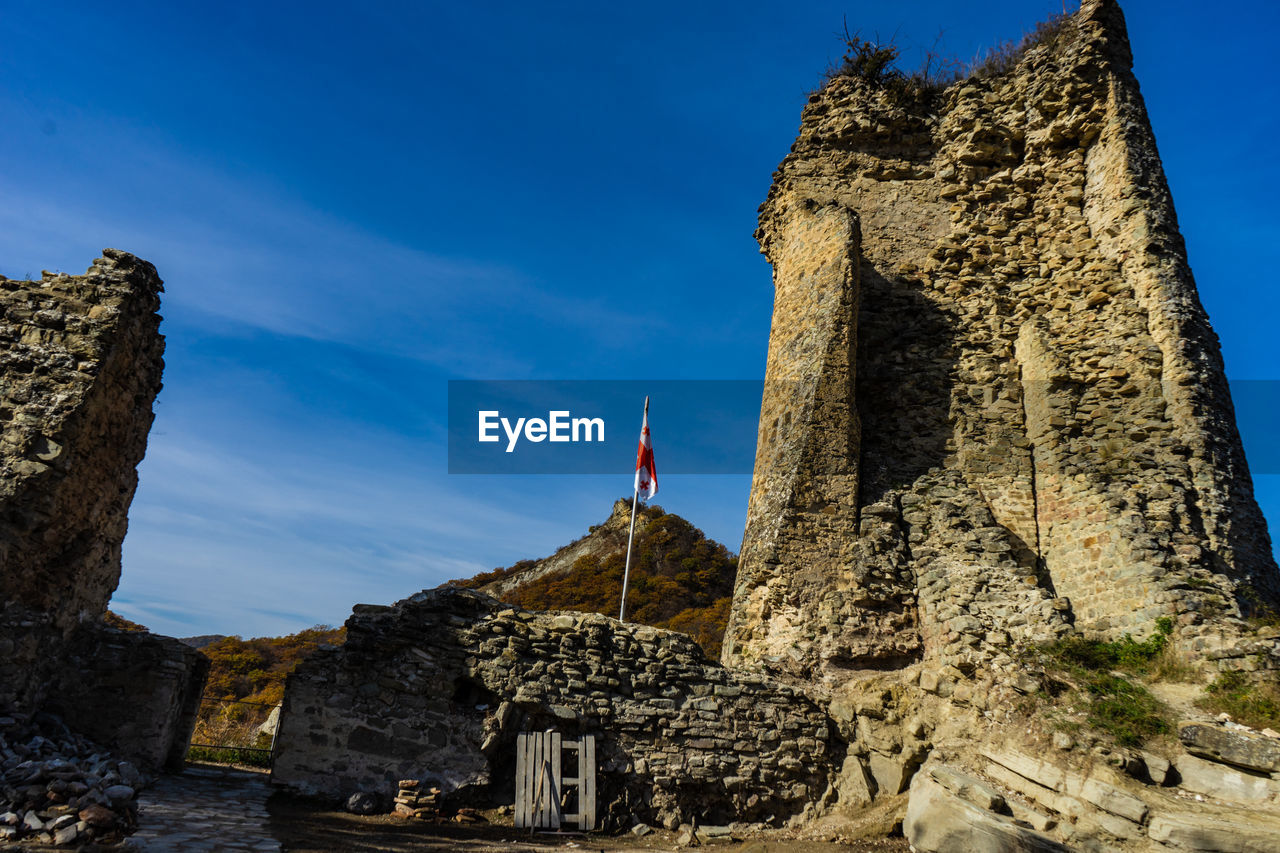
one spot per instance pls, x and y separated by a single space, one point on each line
1253 752
1113 800
1197 831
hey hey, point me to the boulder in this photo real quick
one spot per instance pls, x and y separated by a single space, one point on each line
362 803
99 817
969 788
271 724
854 785
1253 752
891 774
1157 767
1113 800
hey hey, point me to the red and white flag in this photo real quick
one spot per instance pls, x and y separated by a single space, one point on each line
646 473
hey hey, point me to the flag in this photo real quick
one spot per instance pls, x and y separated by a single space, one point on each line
646 473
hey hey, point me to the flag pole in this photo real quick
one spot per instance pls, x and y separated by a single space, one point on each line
626 573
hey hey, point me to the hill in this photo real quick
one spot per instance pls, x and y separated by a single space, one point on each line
680 579
254 670
246 680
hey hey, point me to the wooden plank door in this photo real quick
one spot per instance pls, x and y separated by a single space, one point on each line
587 782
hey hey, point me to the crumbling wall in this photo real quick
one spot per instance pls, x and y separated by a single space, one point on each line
997 272
135 692
438 686
81 359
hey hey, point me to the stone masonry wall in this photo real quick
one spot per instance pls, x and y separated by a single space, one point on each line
80 365
81 358
988 307
137 693
438 686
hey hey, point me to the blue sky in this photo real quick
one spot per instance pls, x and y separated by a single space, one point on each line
353 204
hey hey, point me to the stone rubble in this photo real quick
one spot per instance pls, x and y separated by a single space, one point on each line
61 788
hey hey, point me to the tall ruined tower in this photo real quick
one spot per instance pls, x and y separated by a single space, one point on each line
994 405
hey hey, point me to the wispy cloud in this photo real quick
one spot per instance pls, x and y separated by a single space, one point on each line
240 250
217 535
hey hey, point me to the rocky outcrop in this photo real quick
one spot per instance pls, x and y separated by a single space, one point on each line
991 388
603 539
1011 798
81 362
1252 752
437 687
950 810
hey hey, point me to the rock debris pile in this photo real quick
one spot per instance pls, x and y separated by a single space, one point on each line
61 788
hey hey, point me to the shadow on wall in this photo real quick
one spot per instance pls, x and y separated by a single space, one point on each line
906 358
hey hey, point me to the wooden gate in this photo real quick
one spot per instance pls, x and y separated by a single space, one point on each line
542 789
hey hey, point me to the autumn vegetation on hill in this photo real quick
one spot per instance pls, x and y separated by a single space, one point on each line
115 620
246 680
680 579
254 670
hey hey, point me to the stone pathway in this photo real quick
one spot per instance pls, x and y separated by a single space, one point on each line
205 809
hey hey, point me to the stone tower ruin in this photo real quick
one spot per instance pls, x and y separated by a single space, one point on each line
994 404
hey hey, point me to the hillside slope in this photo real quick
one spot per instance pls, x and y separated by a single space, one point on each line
680 579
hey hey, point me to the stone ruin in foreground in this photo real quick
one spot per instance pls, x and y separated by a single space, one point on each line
995 415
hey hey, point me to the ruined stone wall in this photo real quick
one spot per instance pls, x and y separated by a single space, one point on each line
1039 425
438 686
81 359
80 365
137 693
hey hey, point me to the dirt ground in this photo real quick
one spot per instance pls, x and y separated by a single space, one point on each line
303 825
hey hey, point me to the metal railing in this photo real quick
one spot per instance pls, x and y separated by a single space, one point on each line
234 731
